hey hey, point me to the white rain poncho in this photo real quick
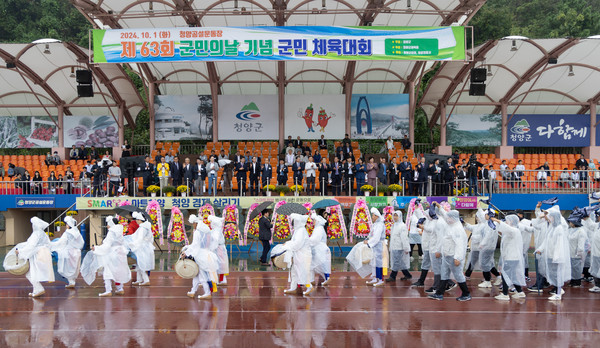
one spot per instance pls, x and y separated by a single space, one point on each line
111 256
200 250
527 231
321 254
487 247
476 237
454 242
413 232
141 243
540 230
37 250
577 242
68 249
216 224
298 252
357 258
511 252
436 229
399 245
554 251
595 250
375 240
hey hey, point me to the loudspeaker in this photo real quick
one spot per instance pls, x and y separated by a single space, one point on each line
84 77
10 65
85 91
477 89
478 75
552 60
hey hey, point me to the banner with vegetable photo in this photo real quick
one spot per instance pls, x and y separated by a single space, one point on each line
26 132
98 131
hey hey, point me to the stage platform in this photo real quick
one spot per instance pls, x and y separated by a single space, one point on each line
252 311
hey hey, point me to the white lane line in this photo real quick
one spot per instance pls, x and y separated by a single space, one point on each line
138 330
341 311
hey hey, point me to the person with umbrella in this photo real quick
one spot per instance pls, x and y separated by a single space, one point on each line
298 253
375 242
68 248
264 234
321 255
141 245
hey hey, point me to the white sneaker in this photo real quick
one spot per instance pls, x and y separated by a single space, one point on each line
222 283
485 284
205 296
502 297
191 294
308 291
326 281
498 281
289 291
105 294
555 297
595 289
379 283
519 295
372 281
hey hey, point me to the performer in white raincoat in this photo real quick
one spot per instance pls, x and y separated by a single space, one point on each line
375 242
425 239
200 249
577 241
435 229
454 249
540 230
476 236
321 254
595 251
399 249
141 244
68 248
527 231
487 247
216 224
37 250
554 252
299 255
511 260
111 257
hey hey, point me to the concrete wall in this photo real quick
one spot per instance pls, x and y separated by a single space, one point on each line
18 226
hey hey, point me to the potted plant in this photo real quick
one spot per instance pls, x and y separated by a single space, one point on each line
367 189
182 189
382 189
169 190
296 189
268 189
58 225
152 189
282 189
72 213
394 189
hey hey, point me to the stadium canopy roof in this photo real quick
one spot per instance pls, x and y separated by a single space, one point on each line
43 80
304 77
520 78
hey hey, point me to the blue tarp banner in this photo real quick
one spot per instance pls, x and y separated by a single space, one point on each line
549 130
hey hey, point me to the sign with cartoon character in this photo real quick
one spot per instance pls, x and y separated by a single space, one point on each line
549 130
248 117
310 116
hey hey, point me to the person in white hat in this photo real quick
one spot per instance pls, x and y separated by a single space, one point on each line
37 251
68 248
111 256
141 244
299 254
375 242
216 224
199 249
321 254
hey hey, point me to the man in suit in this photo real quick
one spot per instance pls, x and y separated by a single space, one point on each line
199 177
349 173
176 169
324 170
298 143
421 169
448 177
405 173
322 143
266 174
382 171
264 235
393 172
282 172
146 171
241 170
298 168
254 170
461 175
289 142
484 178
187 174
336 176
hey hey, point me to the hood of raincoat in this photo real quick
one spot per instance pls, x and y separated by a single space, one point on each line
299 220
38 224
138 216
512 220
480 216
318 219
70 221
216 222
399 214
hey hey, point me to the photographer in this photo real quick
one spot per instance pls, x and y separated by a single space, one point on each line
99 172
472 168
114 175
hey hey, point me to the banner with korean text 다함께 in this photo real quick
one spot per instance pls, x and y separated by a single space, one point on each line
248 117
142 45
549 130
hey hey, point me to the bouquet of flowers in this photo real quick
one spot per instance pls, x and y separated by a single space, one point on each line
123 220
230 227
361 223
388 219
205 211
153 209
310 224
282 226
337 226
251 227
176 230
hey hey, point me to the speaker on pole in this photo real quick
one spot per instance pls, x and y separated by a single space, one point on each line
477 89
478 75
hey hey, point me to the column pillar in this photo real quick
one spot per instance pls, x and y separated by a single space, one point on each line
504 151
443 149
411 113
151 115
592 152
60 115
281 102
118 149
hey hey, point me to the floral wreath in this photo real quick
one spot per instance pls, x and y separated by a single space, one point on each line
153 209
282 226
176 230
310 224
230 223
337 226
123 221
205 211
361 223
388 219
250 227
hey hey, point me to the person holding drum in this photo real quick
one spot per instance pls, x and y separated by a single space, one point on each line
375 242
199 250
36 250
68 248
298 253
221 250
141 244
321 255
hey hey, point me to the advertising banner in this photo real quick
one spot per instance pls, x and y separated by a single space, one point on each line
310 116
278 43
35 202
474 130
248 117
378 116
549 130
183 117
98 131
26 132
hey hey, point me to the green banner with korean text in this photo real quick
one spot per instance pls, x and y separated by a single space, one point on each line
278 43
